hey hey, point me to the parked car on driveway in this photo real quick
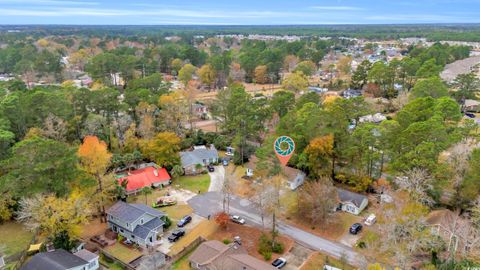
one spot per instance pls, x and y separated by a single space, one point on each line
177 234
225 162
184 221
356 228
238 220
279 263
371 219
211 168
470 115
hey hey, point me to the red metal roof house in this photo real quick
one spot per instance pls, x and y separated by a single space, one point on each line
145 177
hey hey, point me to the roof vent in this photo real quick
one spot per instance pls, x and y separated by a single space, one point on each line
155 172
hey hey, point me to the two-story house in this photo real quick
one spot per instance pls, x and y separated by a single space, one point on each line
138 223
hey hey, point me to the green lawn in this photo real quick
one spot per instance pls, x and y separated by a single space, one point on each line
123 253
139 198
193 183
14 237
176 212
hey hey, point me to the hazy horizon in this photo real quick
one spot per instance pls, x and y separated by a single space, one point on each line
248 12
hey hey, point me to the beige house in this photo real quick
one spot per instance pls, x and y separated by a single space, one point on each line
214 255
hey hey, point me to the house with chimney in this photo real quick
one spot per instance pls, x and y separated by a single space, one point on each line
146 175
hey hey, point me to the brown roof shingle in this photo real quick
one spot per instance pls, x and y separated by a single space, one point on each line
247 262
208 251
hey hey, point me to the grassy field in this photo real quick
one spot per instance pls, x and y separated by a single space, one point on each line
193 183
123 253
176 212
139 198
318 260
205 229
14 237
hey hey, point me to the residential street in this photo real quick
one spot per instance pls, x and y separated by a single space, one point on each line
212 202
216 179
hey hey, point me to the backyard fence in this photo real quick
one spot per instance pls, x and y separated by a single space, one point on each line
185 250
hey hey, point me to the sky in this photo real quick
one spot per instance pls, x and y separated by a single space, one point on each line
237 12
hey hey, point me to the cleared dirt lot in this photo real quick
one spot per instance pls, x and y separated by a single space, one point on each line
249 236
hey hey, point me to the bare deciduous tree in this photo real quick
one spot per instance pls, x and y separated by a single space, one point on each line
407 234
272 200
458 160
227 191
260 200
417 182
237 74
55 128
317 201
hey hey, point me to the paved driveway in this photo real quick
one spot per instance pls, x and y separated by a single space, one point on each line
166 245
217 178
211 202
296 257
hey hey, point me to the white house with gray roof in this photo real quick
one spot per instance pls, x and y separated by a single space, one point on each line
62 260
195 161
139 223
351 202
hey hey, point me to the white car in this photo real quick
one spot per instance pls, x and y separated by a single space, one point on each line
238 220
371 219
279 263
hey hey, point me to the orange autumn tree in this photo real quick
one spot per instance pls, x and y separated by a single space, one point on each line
222 219
95 159
319 154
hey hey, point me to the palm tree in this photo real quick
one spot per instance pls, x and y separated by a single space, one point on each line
146 191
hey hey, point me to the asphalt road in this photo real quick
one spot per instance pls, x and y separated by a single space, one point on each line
212 202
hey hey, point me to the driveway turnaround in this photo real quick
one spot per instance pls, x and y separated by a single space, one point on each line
217 178
210 203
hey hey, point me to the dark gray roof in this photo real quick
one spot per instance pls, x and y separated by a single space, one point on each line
197 156
348 196
154 224
149 210
130 212
86 255
54 260
142 230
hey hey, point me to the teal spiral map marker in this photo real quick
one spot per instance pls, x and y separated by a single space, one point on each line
284 147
